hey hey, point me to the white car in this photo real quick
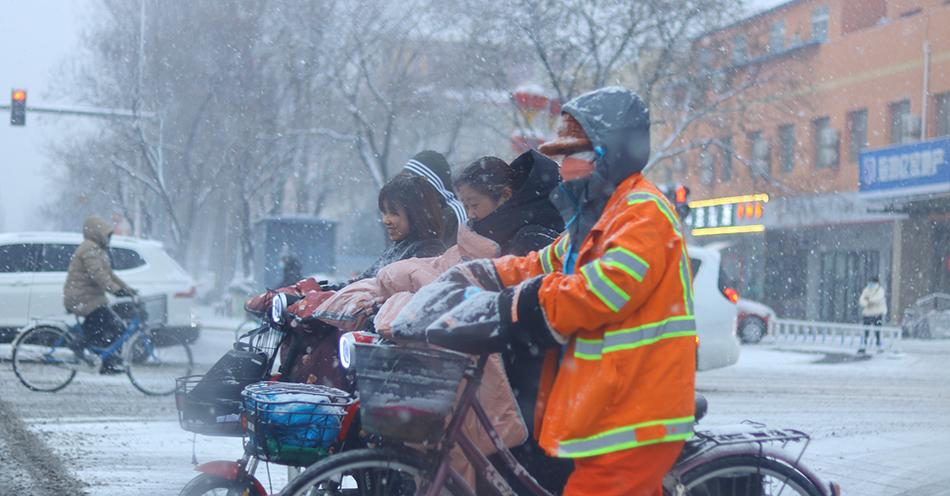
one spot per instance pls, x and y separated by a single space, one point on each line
715 308
33 270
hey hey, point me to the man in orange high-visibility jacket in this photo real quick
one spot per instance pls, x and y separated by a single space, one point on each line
615 290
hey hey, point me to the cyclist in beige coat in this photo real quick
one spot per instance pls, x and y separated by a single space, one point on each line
90 277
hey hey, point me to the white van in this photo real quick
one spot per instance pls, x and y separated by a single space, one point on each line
715 308
33 270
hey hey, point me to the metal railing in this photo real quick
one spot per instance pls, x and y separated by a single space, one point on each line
836 334
928 317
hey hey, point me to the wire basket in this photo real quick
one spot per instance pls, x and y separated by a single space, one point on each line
296 424
406 394
211 407
155 308
265 339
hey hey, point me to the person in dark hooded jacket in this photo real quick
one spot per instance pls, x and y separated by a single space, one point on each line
509 204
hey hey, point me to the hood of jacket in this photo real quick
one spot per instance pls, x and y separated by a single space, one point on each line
617 122
97 230
529 205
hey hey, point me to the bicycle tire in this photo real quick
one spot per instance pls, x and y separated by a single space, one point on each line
357 464
207 484
136 366
24 340
720 477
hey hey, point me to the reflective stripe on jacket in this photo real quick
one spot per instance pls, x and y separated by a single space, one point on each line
626 313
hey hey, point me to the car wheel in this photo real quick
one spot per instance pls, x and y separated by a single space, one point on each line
752 330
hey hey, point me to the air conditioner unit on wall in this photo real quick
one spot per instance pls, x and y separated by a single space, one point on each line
827 156
910 127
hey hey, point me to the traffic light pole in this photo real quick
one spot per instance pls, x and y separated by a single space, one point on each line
88 112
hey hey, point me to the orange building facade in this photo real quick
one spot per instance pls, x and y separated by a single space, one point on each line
840 86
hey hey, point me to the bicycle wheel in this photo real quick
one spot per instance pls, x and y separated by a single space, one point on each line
154 360
747 475
43 360
380 472
212 485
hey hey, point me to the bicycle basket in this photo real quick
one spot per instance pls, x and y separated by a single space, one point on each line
210 406
406 394
265 339
156 310
295 424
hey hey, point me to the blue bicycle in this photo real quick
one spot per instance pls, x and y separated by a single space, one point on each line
47 355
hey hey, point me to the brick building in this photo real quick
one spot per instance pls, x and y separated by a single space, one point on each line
848 133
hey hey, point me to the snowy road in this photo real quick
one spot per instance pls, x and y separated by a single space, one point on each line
882 426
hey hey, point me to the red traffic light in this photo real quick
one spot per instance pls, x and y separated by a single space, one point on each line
681 193
19 95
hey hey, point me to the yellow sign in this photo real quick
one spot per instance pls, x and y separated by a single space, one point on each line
728 215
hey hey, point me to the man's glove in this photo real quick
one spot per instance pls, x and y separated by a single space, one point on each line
126 293
522 318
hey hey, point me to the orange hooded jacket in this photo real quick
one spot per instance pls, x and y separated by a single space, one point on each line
619 295
626 378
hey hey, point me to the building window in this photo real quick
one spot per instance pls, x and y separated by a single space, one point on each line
819 23
777 36
857 133
726 159
760 163
740 49
942 114
786 137
826 143
905 127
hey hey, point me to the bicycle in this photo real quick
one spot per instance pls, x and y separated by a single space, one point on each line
47 355
738 462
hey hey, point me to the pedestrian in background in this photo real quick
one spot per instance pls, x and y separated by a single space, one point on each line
873 310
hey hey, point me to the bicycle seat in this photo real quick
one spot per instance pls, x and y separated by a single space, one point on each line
701 406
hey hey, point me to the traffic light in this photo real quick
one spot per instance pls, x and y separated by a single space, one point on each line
681 200
18 108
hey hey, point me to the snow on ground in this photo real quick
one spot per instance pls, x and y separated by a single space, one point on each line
880 426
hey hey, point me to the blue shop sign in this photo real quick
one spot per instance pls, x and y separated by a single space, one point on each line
916 168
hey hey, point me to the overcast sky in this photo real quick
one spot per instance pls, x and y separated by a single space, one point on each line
36 38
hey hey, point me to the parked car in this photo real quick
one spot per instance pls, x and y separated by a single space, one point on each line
754 319
33 271
715 308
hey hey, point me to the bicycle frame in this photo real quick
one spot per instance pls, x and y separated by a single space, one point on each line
133 326
455 437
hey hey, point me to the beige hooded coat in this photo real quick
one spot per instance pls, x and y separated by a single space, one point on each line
90 271
393 288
